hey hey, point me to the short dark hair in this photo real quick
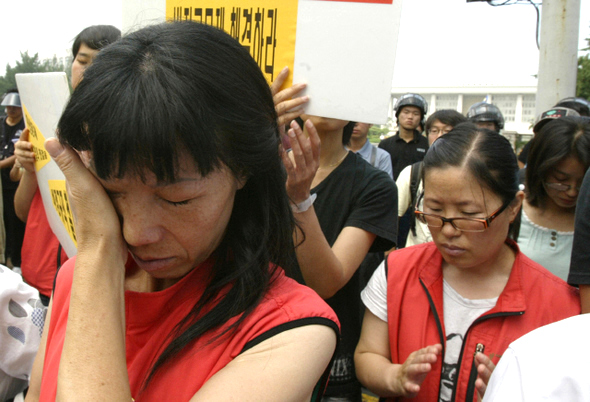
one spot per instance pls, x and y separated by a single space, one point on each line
347 132
95 37
448 117
487 156
184 86
557 140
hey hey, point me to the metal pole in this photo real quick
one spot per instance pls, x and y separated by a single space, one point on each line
558 56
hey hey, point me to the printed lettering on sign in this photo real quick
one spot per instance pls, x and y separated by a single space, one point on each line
37 140
59 198
265 28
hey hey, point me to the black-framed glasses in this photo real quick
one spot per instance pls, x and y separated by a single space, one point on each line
463 224
437 131
561 186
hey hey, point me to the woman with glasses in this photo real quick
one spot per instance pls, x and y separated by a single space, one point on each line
409 181
558 159
439 315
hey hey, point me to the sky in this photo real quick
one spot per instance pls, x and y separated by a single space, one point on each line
441 42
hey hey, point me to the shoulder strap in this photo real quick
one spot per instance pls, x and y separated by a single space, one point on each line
416 176
373 155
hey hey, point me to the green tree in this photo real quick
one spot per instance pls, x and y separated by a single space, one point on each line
375 133
28 64
583 81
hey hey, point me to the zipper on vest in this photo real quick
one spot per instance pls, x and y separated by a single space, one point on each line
470 386
471 383
479 348
441 333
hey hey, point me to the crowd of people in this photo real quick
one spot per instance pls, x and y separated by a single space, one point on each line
231 246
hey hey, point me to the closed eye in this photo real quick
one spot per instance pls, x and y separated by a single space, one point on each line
178 203
470 213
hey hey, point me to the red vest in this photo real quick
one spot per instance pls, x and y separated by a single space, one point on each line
41 250
150 317
533 297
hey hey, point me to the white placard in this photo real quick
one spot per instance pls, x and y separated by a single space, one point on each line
345 52
44 96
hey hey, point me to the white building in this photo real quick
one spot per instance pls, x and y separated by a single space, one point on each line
517 103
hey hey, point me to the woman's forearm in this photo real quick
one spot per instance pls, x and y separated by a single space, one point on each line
96 330
24 195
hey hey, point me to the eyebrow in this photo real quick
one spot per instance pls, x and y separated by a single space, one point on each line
556 170
462 203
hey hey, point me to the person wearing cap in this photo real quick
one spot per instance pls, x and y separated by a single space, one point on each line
12 126
486 115
580 105
555 112
407 146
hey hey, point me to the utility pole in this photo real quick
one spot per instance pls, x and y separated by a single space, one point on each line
558 56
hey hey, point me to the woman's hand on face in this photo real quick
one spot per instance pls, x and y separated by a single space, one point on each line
287 107
415 369
95 218
302 162
23 150
485 367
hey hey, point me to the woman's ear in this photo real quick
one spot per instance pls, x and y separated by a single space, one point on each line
515 205
241 181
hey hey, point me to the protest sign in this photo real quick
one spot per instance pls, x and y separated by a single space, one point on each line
343 50
43 97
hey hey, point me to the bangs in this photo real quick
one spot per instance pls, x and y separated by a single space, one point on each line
133 120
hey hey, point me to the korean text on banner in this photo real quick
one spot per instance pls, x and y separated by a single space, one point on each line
266 28
44 96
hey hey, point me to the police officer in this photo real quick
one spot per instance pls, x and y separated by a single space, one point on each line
486 115
580 105
11 127
407 146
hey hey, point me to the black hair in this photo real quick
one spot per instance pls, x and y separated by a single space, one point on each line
188 87
347 132
95 37
557 140
486 155
448 117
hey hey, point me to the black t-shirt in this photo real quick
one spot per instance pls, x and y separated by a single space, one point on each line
7 150
355 194
404 153
580 263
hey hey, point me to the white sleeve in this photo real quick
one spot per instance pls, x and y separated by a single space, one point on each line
374 296
22 316
506 381
404 198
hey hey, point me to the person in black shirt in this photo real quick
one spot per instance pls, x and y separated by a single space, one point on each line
345 208
11 127
407 146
